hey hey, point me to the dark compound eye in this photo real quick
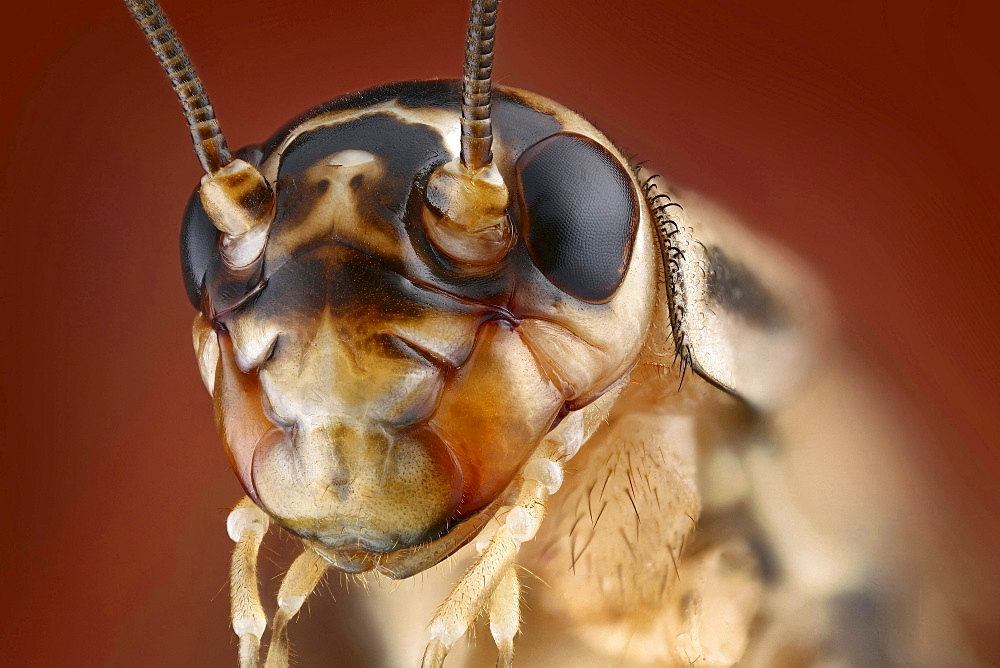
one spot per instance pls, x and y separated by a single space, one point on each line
199 247
580 215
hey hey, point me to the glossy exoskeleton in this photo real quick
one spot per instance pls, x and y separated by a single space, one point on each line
373 392
421 304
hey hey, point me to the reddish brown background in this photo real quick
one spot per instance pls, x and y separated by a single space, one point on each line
861 135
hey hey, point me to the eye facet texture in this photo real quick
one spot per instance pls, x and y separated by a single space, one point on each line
580 215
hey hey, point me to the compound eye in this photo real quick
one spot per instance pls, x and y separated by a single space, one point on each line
580 215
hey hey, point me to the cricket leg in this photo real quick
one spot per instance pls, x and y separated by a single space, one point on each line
499 542
492 571
473 591
247 525
469 596
505 616
304 574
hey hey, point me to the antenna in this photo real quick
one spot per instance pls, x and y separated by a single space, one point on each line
209 142
477 130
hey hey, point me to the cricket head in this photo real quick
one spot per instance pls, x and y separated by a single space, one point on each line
375 393
401 294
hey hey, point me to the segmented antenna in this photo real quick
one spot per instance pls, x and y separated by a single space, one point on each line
477 131
209 143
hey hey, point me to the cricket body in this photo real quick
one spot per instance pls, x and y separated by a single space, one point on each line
432 313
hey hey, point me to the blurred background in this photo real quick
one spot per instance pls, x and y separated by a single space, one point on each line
859 134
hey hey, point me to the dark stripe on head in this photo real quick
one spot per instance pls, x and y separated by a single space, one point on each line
415 94
405 150
511 115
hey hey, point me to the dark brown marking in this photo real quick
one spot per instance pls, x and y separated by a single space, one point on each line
515 122
735 288
410 151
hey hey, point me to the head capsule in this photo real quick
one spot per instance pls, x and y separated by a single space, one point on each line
401 294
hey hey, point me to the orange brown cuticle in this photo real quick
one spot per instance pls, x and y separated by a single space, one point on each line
373 395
